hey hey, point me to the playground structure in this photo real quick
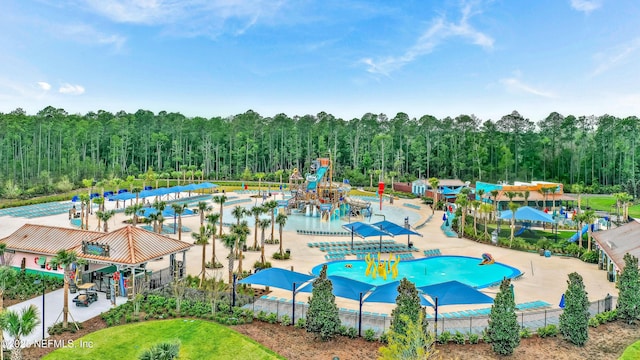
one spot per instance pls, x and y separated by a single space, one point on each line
382 268
487 259
316 195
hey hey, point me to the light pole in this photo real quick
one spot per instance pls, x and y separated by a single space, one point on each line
44 287
384 218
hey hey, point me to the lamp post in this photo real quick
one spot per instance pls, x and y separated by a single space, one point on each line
44 287
384 218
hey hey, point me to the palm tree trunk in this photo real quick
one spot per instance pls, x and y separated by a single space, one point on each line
513 227
261 249
204 250
231 267
213 251
280 240
240 262
65 305
180 232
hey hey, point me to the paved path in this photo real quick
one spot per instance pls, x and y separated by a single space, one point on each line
53 302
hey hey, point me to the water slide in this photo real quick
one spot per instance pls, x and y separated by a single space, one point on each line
523 228
574 238
313 179
357 203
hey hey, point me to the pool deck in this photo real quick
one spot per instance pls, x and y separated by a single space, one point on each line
544 278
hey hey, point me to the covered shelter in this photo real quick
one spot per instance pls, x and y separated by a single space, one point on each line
395 229
527 213
454 293
387 293
613 244
127 250
364 230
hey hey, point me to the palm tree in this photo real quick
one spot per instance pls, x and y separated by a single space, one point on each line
212 219
589 217
160 206
578 189
161 351
178 209
153 217
580 219
105 216
462 201
220 199
203 208
136 190
486 209
475 204
240 231
495 193
229 241
161 219
84 222
513 207
553 199
238 213
133 210
545 192
18 325
271 206
260 176
526 194
100 202
434 182
116 182
256 211
264 224
88 183
201 238
65 259
281 220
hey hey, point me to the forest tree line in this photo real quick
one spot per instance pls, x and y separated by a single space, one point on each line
38 150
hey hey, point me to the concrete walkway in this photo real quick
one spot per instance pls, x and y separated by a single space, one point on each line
53 303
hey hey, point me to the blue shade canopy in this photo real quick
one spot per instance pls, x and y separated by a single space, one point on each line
344 287
394 229
455 293
167 212
364 230
388 293
190 187
527 213
279 278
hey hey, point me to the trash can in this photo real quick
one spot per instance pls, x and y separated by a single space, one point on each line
607 303
288 251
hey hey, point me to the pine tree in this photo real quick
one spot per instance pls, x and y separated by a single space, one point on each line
323 317
503 329
629 290
407 303
574 320
413 344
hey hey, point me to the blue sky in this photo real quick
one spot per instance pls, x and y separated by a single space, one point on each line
224 57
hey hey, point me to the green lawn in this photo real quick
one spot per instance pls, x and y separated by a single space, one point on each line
632 352
607 203
198 340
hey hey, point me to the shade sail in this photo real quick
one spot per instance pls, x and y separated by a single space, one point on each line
394 229
527 213
388 293
455 293
167 212
344 287
123 196
279 278
364 230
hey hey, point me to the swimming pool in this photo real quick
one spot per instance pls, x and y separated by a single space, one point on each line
298 221
428 271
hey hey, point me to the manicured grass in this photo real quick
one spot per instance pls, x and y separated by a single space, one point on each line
198 340
632 352
608 203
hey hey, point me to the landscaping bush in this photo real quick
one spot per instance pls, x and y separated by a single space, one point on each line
594 322
444 337
301 323
574 320
384 338
525 333
260 265
370 335
474 338
548 331
285 320
57 329
459 338
284 256
590 257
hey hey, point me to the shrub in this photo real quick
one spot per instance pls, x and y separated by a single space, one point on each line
272 318
370 335
444 337
285 320
590 257
301 323
384 338
459 338
503 329
525 333
629 290
261 265
594 322
352 333
323 318
548 331
574 320
284 256
474 338
407 303
262 316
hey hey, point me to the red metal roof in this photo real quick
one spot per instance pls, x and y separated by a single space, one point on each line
128 245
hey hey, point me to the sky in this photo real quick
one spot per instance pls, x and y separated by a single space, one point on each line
344 57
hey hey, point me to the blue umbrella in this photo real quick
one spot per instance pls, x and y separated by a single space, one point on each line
561 305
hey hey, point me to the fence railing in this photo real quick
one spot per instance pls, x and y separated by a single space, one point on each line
380 322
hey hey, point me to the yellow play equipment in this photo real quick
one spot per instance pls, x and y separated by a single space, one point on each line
380 267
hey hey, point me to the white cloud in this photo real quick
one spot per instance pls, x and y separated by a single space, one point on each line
439 31
70 89
189 17
514 84
44 85
86 34
586 6
616 56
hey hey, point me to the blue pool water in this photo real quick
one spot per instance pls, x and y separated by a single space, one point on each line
428 271
298 221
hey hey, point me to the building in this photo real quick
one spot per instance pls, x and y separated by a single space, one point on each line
614 243
126 251
541 194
